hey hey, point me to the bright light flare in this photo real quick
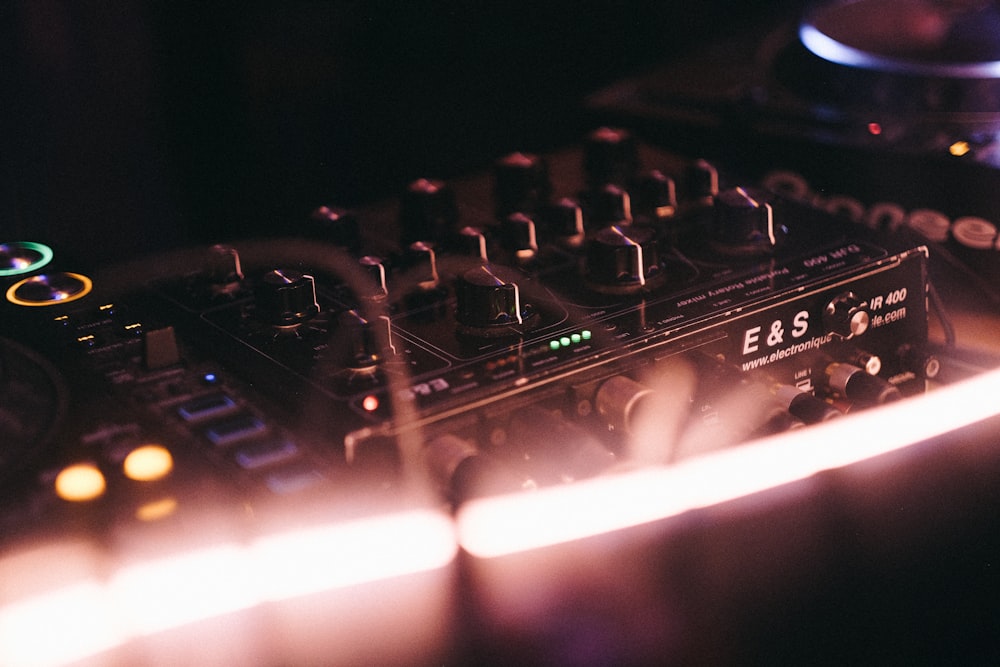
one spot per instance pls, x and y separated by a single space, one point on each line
512 524
45 623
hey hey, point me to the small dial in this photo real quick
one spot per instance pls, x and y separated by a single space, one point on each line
622 259
286 298
490 304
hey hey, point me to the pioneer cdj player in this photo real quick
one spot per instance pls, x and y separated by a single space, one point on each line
682 392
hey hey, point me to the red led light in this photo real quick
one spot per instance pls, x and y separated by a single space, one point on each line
874 129
370 403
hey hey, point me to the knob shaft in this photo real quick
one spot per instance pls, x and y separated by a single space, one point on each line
623 259
489 303
286 298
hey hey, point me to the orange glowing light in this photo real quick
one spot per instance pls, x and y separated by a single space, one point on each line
370 403
148 463
80 482
959 148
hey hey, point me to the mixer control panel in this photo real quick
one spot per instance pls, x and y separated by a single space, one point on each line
524 327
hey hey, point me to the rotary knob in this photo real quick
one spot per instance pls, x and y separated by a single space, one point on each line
743 222
427 211
376 286
521 184
363 341
490 304
655 196
519 236
622 259
286 298
702 181
611 155
608 205
471 242
564 219
846 315
334 225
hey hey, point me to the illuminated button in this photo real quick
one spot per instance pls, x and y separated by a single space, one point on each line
234 429
585 334
204 407
265 453
293 480
49 289
148 463
959 148
80 482
554 345
20 257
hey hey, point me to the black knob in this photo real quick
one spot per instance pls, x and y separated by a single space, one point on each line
286 298
623 259
427 211
608 205
521 184
225 271
358 338
422 265
564 220
520 236
846 315
472 243
702 181
743 222
489 303
655 196
376 285
334 225
610 155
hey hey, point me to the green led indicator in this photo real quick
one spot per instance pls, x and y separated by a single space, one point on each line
553 345
576 338
585 334
564 341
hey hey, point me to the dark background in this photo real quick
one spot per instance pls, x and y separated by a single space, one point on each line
135 126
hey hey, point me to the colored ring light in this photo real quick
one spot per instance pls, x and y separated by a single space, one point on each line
49 289
19 257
